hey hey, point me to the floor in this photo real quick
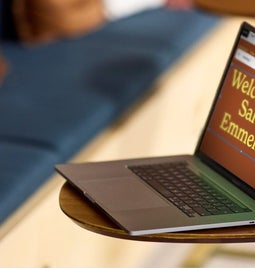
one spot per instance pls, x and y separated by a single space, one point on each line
46 238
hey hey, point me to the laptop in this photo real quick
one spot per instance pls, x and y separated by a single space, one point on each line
213 188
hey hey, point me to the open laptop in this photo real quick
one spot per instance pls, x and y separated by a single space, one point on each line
213 188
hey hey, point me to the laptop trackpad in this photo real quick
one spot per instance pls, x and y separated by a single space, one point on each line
119 194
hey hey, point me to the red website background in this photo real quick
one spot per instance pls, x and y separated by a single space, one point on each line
220 145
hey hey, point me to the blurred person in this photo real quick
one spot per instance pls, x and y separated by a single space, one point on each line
45 20
36 21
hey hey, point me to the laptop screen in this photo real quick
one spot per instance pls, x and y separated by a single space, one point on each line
229 136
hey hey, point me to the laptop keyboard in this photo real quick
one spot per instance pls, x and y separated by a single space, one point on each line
186 190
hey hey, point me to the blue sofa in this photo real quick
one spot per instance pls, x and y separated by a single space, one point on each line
56 97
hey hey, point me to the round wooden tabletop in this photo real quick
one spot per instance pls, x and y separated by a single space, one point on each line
83 213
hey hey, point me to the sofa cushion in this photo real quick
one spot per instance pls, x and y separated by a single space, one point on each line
137 49
54 109
24 168
55 88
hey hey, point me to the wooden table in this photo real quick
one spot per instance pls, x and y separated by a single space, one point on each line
83 213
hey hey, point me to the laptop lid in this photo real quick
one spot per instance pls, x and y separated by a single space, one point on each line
228 141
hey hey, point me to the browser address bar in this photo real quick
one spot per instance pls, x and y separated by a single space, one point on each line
245 58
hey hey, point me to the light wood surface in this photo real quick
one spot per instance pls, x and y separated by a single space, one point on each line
236 7
75 206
